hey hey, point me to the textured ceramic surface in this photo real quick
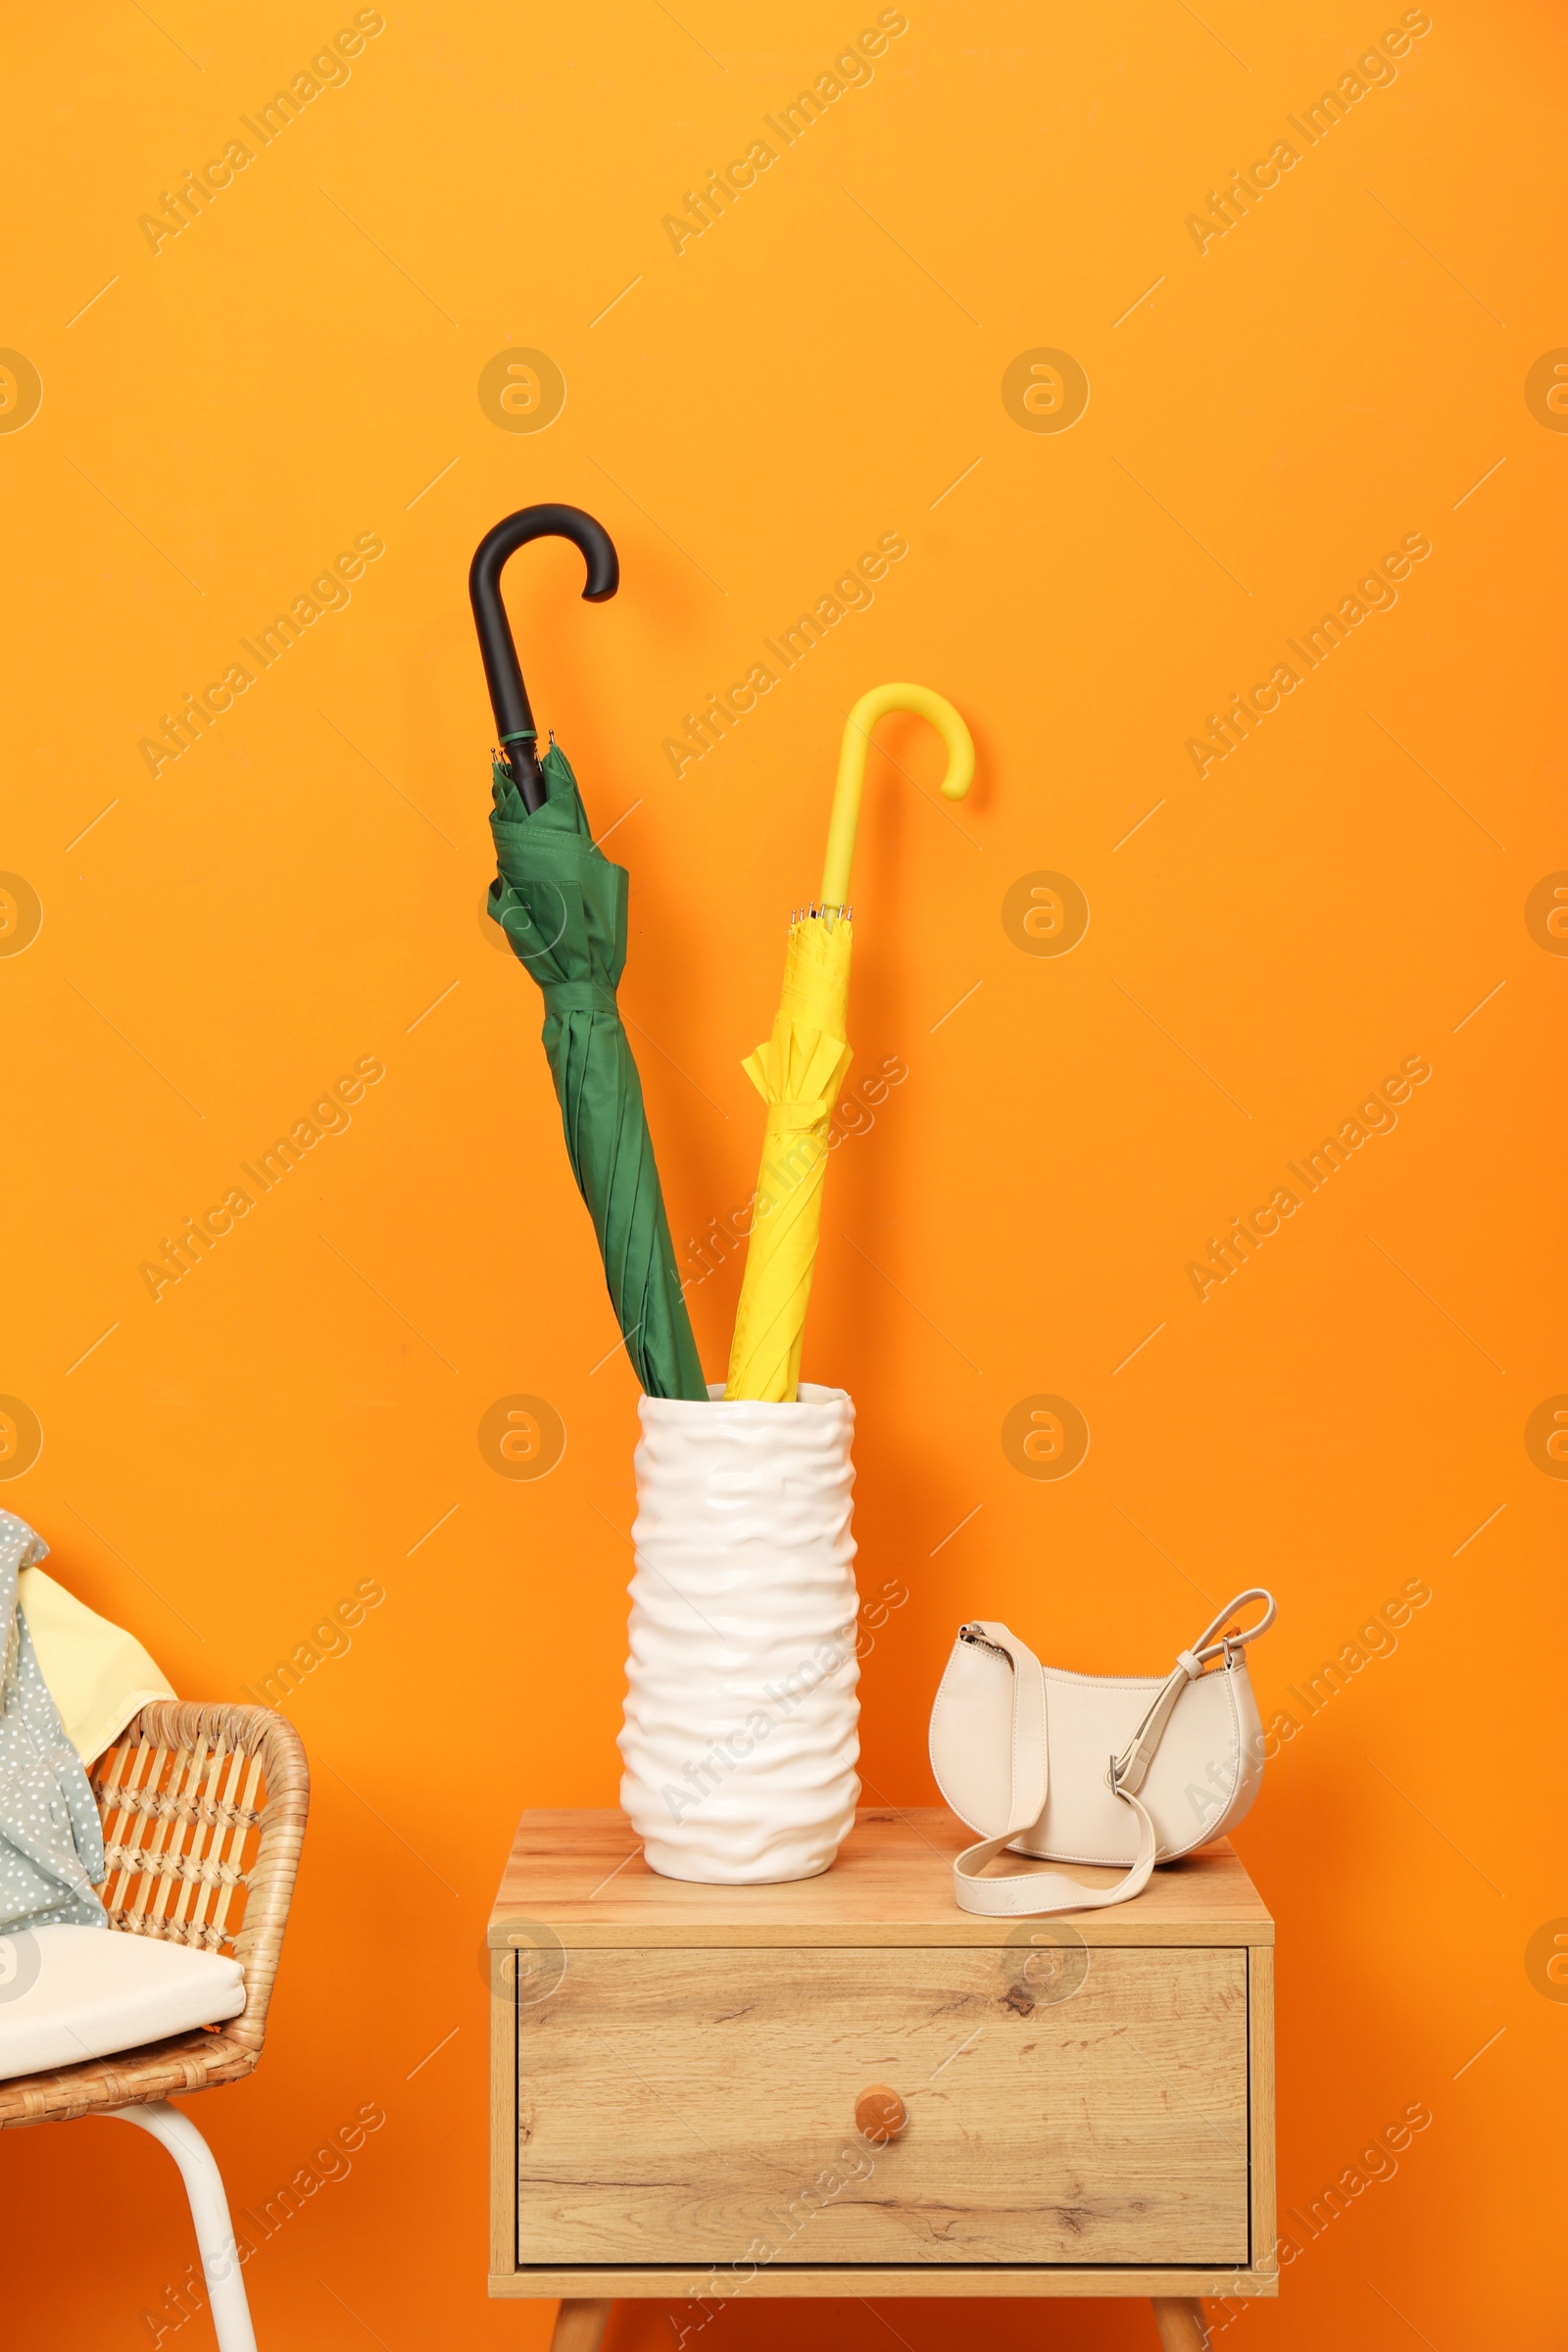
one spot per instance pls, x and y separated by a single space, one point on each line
742 1723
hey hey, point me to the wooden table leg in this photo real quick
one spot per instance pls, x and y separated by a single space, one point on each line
1181 2325
581 2325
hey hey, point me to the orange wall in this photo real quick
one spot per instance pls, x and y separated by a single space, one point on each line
1344 369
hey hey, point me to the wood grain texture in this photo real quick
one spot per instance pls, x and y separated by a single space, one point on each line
580 2324
503 2113
1260 2006
892 1885
1181 2325
871 2281
691 2106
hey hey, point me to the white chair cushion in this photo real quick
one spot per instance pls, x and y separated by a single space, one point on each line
69 1993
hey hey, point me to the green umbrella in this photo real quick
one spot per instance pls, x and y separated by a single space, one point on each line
563 907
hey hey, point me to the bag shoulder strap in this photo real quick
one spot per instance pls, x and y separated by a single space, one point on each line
1030 1893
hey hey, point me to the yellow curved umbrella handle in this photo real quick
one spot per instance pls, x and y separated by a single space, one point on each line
846 817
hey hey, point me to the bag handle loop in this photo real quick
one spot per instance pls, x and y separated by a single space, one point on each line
1206 1647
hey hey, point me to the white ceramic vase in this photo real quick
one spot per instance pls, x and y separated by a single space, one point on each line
742 1723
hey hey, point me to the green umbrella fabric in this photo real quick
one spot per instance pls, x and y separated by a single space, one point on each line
563 907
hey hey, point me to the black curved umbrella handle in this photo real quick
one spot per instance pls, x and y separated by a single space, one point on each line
509 697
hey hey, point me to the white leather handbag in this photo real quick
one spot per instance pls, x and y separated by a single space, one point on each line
1106 1769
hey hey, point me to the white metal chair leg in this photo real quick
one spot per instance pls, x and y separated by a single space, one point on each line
209 2210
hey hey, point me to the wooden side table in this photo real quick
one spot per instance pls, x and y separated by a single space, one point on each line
848 2085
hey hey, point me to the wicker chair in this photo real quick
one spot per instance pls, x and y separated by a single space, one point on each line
203 1810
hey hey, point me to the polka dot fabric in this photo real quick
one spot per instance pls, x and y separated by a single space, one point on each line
51 1839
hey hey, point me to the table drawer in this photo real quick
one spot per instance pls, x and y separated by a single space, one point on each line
698 2106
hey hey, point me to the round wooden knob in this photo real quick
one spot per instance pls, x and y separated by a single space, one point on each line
880 2115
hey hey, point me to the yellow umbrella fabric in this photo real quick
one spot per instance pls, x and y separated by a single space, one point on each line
801 1066
798 1072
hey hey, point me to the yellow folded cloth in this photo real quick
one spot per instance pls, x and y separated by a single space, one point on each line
96 1673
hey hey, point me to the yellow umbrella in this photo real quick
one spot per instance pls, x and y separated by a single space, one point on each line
799 1067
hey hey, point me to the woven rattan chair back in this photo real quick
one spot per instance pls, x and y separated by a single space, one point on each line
203 1810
